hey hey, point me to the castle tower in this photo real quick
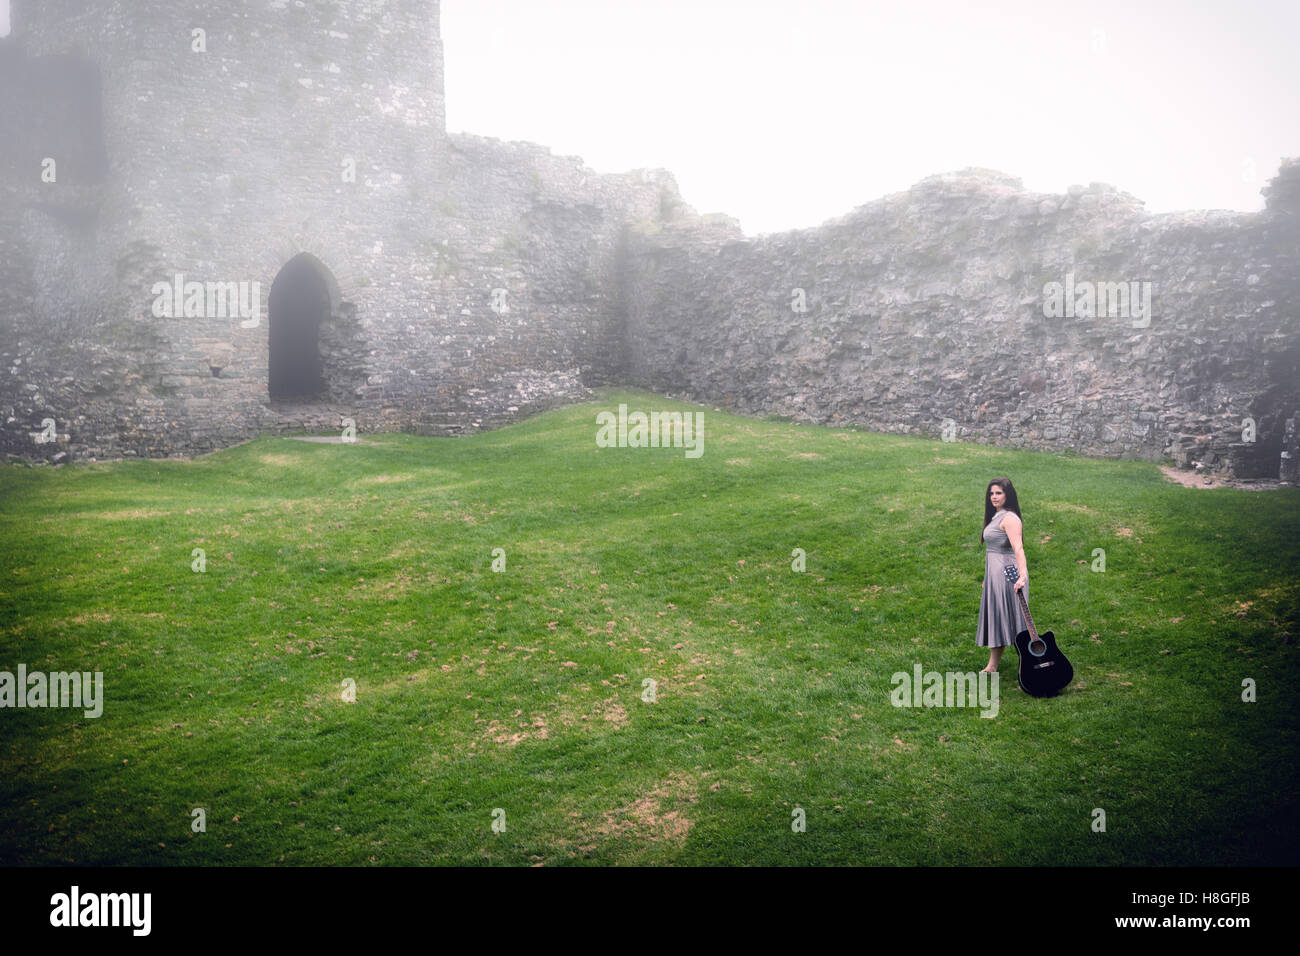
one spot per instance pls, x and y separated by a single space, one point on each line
146 140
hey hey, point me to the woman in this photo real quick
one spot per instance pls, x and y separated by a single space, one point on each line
1000 616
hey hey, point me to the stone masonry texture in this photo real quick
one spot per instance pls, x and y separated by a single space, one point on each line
472 281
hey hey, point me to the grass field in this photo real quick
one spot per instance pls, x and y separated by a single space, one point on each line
524 691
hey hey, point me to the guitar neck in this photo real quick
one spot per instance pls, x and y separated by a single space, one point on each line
1029 618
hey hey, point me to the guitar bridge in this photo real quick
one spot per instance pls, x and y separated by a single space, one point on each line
1044 664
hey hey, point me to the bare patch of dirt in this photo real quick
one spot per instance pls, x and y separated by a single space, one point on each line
658 816
314 505
383 479
501 733
391 590
326 439
463 516
1066 506
1190 479
611 711
99 617
107 515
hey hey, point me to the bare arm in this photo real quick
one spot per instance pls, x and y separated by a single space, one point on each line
1012 526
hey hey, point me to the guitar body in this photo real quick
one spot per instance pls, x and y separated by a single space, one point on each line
1043 669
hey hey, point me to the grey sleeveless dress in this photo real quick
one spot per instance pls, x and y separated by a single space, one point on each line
1000 616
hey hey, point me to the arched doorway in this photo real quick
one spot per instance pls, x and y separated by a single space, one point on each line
298 304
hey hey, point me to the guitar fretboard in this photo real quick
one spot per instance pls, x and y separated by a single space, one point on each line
1029 618
1013 575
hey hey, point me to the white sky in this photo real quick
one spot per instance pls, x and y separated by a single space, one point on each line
784 114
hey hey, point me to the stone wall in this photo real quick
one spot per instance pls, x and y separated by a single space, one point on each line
471 281
927 308
315 129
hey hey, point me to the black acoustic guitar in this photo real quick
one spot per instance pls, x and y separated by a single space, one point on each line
1043 669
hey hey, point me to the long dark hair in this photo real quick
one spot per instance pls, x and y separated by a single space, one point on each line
1011 504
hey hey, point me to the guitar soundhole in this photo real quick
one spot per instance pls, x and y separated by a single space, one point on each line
1038 647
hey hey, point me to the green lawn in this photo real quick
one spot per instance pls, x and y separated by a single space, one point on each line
523 690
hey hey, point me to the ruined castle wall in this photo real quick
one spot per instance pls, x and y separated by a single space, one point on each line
316 129
928 306
516 297
471 281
